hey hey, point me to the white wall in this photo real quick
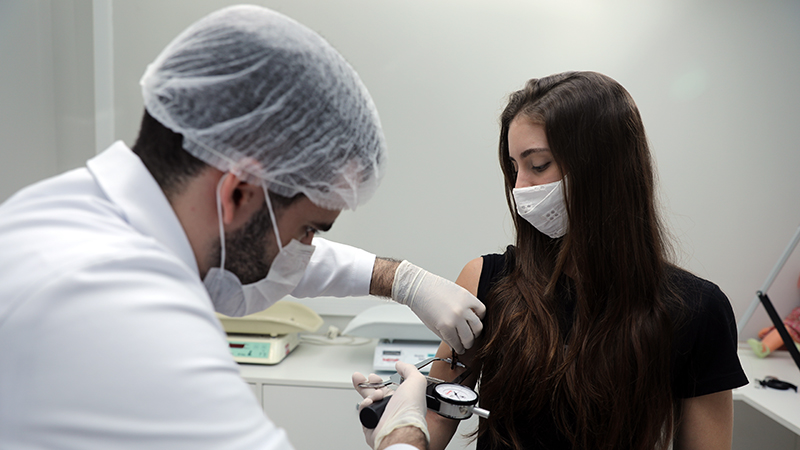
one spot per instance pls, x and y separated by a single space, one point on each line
716 83
46 93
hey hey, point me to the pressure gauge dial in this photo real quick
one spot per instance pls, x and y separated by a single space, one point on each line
455 394
454 401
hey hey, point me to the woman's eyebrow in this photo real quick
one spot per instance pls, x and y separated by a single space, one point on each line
531 151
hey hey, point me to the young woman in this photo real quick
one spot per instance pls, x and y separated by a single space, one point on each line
592 338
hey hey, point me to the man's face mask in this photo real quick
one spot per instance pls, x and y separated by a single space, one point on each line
232 298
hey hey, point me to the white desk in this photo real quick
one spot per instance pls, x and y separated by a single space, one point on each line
782 407
316 365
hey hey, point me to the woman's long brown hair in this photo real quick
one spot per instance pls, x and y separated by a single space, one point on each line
607 382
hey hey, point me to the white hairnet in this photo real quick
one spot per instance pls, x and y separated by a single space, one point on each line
258 94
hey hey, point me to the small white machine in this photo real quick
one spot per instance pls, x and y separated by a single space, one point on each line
266 337
401 336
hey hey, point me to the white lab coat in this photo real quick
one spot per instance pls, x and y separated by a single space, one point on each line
108 338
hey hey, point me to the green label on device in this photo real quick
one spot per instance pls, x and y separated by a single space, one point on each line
250 349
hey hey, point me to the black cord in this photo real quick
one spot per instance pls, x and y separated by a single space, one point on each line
774 383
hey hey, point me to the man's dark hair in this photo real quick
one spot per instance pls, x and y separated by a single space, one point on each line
161 151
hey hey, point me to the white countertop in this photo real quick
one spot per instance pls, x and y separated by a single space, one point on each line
781 406
316 365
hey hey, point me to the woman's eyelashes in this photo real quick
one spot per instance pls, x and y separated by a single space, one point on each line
541 168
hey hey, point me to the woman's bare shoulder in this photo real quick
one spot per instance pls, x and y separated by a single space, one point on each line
470 275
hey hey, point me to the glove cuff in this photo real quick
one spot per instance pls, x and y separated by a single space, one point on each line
407 278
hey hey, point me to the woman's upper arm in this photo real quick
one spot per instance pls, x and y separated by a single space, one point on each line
706 422
442 429
468 279
470 276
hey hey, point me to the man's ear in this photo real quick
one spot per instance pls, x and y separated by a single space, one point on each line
239 200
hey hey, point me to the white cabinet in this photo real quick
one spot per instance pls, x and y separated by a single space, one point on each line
315 417
310 394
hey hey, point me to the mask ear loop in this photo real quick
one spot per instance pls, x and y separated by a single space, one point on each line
272 218
221 228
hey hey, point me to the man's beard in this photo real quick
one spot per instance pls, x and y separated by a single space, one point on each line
249 250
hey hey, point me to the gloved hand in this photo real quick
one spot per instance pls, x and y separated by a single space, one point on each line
370 396
407 406
446 308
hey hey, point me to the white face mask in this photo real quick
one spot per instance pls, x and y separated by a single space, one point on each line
543 207
228 294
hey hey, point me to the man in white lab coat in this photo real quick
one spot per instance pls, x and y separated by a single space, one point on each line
256 135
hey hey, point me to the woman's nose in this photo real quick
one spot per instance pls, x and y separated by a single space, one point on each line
522 182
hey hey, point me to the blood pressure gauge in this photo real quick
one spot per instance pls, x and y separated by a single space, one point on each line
454 401
450 400
456 394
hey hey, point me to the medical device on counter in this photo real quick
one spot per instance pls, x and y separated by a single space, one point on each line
266 337
448 399
401 336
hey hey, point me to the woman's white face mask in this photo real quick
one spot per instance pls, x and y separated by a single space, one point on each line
232 298
543 207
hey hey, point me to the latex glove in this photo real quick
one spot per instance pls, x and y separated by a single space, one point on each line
407 406
370 395
446 308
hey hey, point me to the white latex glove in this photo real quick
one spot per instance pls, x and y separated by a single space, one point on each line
407 406
446 308
370 396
